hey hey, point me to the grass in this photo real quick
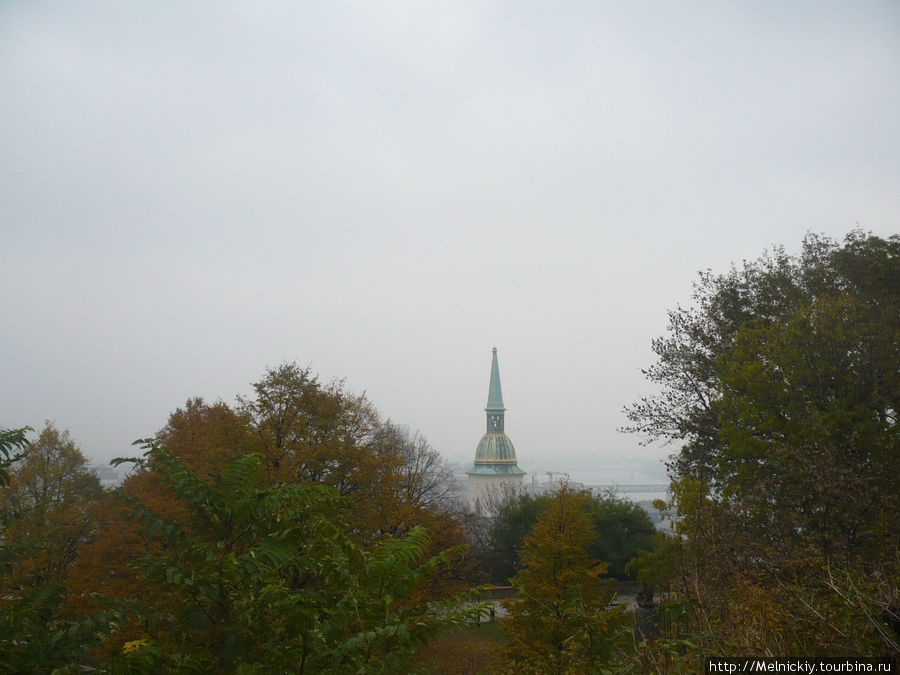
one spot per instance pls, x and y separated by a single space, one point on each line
464 651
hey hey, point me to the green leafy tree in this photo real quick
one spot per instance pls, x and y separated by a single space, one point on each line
12 445
621 527
513 521
38 635
781 387
761 293
817 389
562 620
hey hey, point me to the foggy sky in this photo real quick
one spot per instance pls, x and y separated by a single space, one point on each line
191 192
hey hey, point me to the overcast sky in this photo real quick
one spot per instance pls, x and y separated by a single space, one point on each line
193 191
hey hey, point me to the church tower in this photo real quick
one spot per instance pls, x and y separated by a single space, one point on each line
495 470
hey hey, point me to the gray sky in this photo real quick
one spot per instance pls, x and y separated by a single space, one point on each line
190 192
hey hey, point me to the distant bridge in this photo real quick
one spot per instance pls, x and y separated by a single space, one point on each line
617 488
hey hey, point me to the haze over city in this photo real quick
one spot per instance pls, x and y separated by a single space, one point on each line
384 192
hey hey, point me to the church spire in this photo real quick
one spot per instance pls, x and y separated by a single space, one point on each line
495 470
495 394
495 407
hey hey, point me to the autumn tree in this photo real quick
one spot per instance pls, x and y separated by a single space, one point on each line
308 433
266 578
45 517
207 437
562 620
297 527
316 433
45 511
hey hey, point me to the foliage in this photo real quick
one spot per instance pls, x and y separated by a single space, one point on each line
265 580
506 533
767 294
297 528
208 437
817 388
655 567
110 555
314 433
320 435
12 445
45 511
781 386
310 432
622 529
37 635
43 520
315 426
562 619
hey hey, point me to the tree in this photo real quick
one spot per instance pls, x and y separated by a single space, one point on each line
313 433
265 578
513 522
621 528
761 293
12 445
321 434
208 437
819 388
44 518
308 434
45 511
781 387
562 620
309 431
426 480
290 530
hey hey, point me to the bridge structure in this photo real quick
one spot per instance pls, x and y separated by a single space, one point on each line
632 488
599 488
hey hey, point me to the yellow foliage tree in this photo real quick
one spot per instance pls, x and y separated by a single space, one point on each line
562 620
45 512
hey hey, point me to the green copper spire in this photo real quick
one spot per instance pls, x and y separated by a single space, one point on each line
495 407
495 453
495 394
